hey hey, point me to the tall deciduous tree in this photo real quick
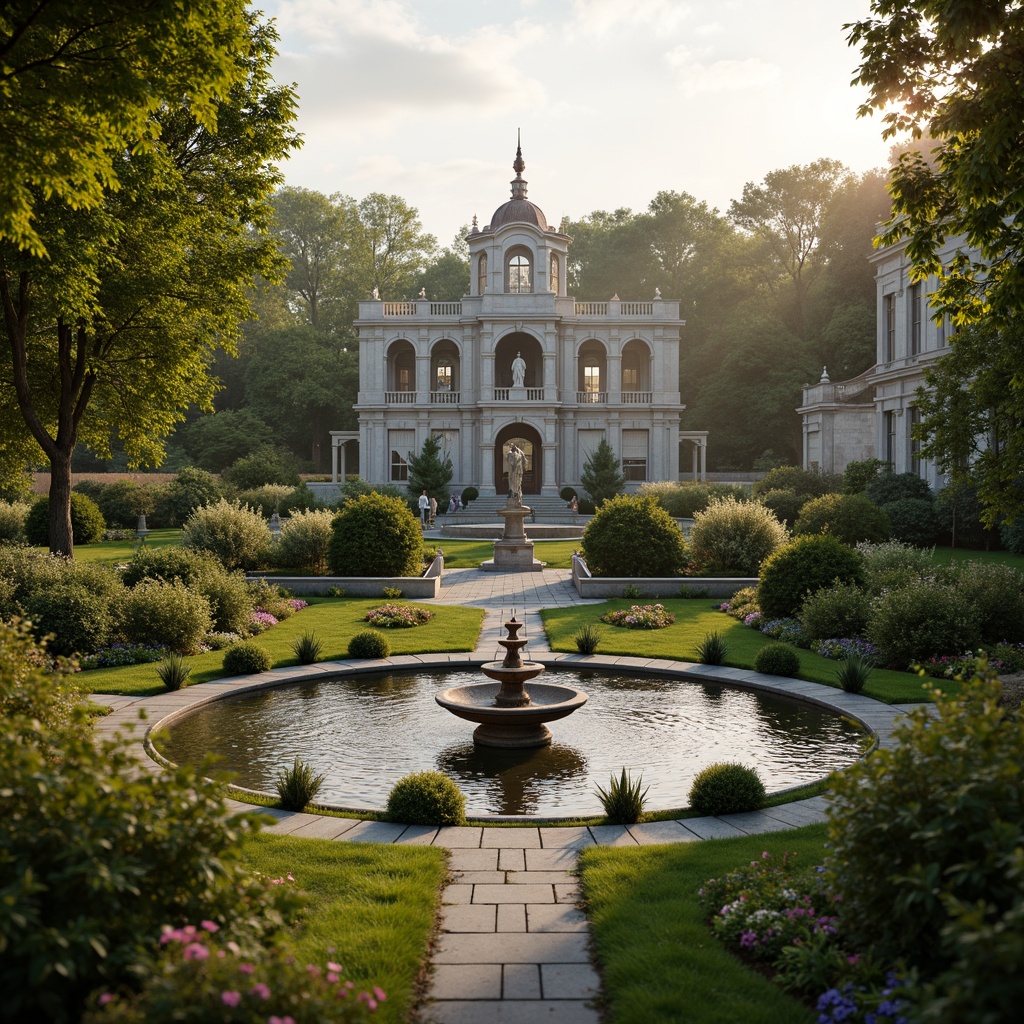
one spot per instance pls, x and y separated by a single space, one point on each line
395 242
78 80
112 330
951 70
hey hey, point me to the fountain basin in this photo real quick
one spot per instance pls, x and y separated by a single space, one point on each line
511 727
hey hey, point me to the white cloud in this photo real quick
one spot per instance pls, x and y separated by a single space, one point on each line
694 77
600 17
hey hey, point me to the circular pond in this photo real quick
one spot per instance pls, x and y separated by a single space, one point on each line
365 732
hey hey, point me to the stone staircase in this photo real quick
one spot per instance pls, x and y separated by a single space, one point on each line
485 510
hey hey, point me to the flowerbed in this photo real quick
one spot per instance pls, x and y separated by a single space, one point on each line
647 616
397 616
786 919
124 654
840 648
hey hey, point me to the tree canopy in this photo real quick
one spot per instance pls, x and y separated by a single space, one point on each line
111 332
949 71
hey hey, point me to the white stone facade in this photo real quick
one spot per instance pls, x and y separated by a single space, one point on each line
593 370
873 415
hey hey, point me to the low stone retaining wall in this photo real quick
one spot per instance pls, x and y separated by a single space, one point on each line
672 586
414 587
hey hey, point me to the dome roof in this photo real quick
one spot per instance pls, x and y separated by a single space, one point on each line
519 209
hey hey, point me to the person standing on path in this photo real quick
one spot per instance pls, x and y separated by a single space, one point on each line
424 504
433 509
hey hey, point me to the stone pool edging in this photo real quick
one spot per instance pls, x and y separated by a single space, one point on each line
876 717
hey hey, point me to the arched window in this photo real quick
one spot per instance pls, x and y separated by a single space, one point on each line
481 274
553 276
519 274
444 375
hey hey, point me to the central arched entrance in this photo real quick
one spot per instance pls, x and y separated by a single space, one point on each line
529 440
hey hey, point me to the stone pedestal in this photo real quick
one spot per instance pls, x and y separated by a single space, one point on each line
514 552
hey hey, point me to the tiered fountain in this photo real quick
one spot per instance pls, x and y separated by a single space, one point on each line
508 716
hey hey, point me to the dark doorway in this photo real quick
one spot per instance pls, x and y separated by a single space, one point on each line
529 440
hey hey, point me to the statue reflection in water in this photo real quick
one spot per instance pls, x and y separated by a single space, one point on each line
515 778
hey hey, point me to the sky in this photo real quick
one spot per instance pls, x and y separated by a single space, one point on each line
616 100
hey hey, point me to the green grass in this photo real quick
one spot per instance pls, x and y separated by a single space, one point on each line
694 619
372 908
468 554
123 550
946 555
334 620
657 955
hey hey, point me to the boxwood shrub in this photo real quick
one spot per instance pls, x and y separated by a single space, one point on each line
842 610
726 788
849 518
777 660
375 535
633 536
246 658
87 523
426 798
165 613
801 567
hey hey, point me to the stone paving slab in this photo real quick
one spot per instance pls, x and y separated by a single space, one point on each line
459 837
569 981
466 981
473 860
567 893
755 822
712 828
323 827
511 860
540 877
512 917
469 917
612 835
564 859
571 837
502 948
418 835
455 893
557 917
502 893
520 981
653 832
513 838
374 832
480 877
524 1011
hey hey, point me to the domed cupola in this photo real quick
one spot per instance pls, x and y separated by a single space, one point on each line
518 209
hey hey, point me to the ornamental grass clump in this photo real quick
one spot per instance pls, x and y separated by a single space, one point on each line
713 649
587 638
297 786
426 798
647 616
173 672
307 647
726 788
397 616
853 673
623 800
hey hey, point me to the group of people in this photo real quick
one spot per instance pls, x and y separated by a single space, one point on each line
428 508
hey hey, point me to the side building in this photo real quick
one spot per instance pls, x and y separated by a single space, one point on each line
873 415
518 361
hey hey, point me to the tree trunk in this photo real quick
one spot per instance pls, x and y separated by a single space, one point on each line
62 540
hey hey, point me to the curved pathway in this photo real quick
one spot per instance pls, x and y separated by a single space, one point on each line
514 945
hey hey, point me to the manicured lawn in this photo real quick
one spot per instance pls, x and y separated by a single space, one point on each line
372 908
946 555
122 550
468 554
659 961
695 618
334 620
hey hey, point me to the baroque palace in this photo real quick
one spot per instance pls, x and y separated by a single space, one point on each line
518 361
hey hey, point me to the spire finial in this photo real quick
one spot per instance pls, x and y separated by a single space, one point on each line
519 165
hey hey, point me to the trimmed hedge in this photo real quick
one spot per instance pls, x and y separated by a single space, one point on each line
803 566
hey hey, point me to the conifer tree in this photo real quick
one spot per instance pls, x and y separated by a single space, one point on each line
602 478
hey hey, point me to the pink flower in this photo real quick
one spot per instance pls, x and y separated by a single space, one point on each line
107 997
380 994
332 966
274 1019
196 951
333 977
230 998
211 926
261 990
246 968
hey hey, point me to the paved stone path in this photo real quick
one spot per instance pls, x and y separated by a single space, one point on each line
513 947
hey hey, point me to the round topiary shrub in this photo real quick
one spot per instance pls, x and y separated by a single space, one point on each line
306 540
87 523
923 620
777 660
889 487
567 493
914 521
842 610
469 494
246 658
375 535
785 504
168 614
801 567
370 643
633 536
726 788
236 534
426 798
733 538
849 518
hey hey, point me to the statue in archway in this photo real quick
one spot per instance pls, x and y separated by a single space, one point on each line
516 466
518 371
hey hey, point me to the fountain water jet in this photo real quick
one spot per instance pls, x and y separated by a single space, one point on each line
508 716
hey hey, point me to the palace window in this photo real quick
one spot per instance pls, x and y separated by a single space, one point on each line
634 454
890 329
890 439
519 274
916 314
553 276
444 375
401 443
591 382
481 274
